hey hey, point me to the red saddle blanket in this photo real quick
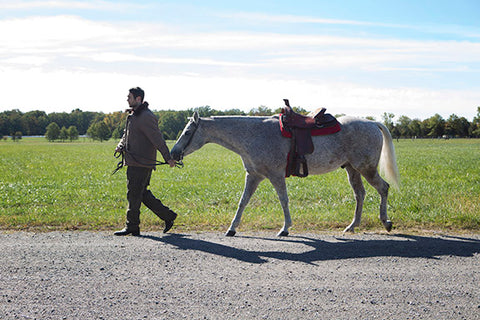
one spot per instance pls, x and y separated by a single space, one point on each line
314 132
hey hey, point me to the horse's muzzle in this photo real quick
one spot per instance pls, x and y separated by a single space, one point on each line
176 155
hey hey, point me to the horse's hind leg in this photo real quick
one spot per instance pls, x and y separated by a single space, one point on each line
355 179
251 184
382 187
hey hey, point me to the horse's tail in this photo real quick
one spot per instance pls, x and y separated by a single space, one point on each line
388 160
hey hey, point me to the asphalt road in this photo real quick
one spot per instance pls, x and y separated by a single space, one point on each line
94 275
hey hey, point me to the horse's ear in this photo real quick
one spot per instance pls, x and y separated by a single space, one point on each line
195 117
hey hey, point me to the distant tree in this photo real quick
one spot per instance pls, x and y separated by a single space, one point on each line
17 136
458 127
34 122
403 126
82 120
171 123
450 125
53 132
435 126
114 120
10 122
72 133
205 111
234 112
416 129
388 120
63 134
99 131
62 119
117 133
261 111
279 110
474 129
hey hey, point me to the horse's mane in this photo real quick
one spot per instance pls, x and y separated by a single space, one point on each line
242 118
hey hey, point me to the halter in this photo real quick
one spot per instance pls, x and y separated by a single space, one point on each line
189 134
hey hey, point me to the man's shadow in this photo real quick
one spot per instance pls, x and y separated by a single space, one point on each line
405 246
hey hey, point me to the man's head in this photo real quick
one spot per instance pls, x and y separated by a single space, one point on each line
135 97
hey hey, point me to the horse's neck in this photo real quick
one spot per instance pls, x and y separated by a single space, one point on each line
233 133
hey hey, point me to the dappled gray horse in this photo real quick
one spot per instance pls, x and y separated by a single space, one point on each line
358 147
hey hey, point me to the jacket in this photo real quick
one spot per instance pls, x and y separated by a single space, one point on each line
142 138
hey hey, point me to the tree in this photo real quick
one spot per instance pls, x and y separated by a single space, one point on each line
388 120
99 131
261 111
171 123
53 132
403 126
475 126
72 133
416 129
435 126
63 134
82 120
17 136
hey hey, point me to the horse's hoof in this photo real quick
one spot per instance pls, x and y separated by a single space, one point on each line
388 225
349 230
282 234
230 233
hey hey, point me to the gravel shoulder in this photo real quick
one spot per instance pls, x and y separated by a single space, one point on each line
94 275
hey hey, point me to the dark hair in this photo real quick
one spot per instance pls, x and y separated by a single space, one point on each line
137 92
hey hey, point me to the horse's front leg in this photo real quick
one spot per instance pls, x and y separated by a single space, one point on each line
281 188
251 184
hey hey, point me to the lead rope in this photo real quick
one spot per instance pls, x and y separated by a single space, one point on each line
118 154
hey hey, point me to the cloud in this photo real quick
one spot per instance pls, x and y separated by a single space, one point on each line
230 69
83 5
114 42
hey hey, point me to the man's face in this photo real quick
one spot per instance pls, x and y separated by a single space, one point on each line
132 102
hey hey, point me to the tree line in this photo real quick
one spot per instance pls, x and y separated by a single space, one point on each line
63 126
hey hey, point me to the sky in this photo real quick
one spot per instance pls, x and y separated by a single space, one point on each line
413 58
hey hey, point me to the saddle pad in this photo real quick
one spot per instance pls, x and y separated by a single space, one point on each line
315 132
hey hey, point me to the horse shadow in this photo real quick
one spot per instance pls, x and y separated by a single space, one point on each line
398 245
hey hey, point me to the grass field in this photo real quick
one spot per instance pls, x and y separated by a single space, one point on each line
58 186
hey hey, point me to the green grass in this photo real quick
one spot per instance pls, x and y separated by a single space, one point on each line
65 186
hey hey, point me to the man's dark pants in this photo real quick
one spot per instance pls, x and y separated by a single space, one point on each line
138 179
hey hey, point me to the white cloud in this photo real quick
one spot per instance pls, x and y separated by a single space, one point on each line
92 5
91 64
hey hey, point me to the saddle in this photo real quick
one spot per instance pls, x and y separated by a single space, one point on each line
300 129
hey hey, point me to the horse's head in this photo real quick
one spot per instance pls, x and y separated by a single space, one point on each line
184 144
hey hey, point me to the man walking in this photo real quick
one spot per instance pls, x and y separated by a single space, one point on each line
139 143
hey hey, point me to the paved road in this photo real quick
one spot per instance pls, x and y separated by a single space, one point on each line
93 275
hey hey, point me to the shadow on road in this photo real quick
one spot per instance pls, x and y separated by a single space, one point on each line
405 246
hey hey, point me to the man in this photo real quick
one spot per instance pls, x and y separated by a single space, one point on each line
140 142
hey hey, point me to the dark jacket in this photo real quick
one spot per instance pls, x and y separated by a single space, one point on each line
142 138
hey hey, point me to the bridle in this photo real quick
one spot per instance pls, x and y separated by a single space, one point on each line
193 126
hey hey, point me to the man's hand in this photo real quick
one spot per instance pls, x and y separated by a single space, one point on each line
172 163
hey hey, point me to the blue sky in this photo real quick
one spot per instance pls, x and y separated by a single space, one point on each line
361 58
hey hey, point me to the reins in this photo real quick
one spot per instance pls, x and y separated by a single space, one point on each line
118 154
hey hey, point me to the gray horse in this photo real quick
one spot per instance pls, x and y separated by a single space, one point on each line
358 147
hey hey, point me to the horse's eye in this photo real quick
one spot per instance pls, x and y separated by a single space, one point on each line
187 133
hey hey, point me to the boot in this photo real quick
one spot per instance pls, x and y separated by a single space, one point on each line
134 231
